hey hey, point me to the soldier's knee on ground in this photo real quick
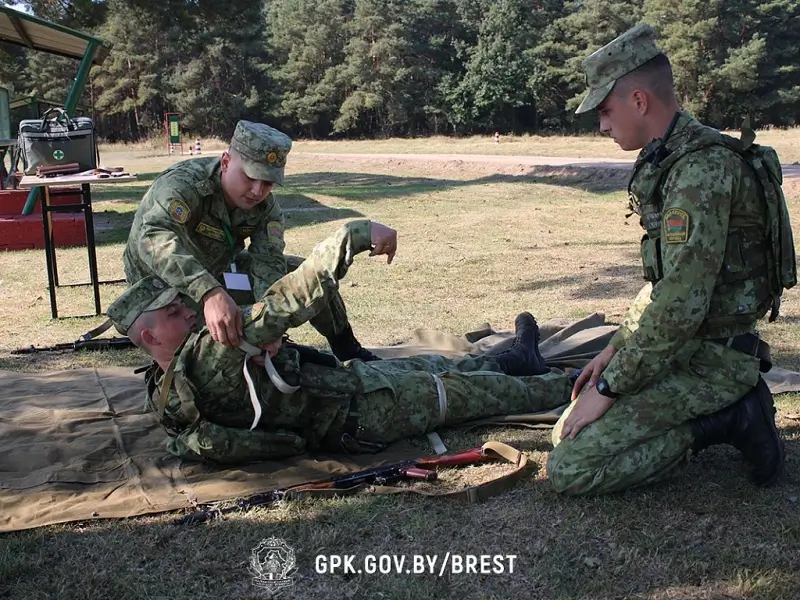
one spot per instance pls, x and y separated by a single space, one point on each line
568 474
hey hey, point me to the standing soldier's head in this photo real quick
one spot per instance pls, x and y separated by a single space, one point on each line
253 163
631 87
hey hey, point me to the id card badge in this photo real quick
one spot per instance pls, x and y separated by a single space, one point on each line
237 281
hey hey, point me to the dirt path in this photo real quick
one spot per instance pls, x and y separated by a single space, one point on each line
790 171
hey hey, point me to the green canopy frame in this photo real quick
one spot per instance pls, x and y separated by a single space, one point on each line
22 29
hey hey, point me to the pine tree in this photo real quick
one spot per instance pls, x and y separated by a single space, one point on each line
129 87
379 73
306 41
499 82
217 79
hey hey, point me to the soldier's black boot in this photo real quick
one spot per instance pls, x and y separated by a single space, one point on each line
523 358
749 425
345 346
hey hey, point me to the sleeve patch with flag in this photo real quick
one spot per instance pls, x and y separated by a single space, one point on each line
179 211
275 230
676 226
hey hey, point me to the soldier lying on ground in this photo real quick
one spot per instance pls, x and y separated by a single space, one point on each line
210 409
200 388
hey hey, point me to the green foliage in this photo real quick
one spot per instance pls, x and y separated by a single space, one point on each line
355 68
306 42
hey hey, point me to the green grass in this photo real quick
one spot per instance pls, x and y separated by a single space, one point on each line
477 243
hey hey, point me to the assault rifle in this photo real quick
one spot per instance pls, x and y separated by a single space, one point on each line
120 343
421 468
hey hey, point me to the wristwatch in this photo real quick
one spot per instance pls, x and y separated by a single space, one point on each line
604 389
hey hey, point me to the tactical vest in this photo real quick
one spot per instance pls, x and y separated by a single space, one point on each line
766 258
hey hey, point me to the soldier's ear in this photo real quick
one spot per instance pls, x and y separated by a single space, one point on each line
640 101
147 336
225 160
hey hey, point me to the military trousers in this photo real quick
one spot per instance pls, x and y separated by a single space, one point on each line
401 397
329 322
647 436
332 319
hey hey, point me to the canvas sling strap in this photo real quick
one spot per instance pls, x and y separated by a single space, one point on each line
471 494
433 437
99 330
250 351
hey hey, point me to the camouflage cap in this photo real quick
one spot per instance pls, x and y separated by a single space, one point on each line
263 150
148 294
630 50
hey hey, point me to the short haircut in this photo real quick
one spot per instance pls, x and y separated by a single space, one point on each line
654 76
145 321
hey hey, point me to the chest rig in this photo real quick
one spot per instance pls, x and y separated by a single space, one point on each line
766 258
644 199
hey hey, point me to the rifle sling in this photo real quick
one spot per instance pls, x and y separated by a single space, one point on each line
471 494
166 385
99 330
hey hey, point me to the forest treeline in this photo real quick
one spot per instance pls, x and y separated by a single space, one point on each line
373 68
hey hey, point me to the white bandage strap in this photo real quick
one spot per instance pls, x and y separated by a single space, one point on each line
273 375
442 399
433 437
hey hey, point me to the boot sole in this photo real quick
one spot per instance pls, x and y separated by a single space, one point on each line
767 406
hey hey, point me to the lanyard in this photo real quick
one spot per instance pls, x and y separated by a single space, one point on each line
229 237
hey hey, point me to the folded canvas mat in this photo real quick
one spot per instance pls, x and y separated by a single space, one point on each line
76 444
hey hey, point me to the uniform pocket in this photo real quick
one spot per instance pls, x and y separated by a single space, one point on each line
651 258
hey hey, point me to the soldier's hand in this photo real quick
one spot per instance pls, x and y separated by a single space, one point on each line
593 371
587 409
223 317
384 241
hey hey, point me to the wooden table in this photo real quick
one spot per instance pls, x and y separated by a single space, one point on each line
85 206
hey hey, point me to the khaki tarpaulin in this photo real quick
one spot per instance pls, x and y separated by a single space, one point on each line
76 444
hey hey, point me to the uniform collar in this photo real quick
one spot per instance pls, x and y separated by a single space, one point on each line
682 130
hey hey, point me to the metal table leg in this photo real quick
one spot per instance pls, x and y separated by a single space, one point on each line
90 244
49 251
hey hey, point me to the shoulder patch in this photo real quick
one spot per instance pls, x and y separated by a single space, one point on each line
179 211
250 313
275 229
676 226
215 233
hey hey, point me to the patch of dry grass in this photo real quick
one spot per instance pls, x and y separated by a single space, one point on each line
477 244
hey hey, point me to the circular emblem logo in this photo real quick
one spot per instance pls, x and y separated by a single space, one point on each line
272 563
179 211
272 157
58 154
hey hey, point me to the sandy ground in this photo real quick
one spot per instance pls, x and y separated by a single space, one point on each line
791 172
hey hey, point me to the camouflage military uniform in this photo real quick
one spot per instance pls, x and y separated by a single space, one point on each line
208 411
705 260
184 233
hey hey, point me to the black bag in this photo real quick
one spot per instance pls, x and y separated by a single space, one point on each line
57 139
